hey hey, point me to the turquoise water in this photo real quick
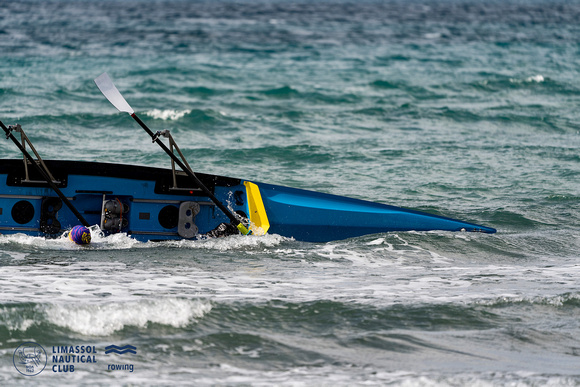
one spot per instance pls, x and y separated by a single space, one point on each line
460 108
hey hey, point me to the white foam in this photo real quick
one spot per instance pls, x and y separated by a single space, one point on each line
535 78
555 301
384 271
103 320
121 241
98 242
370 375
13 319
538 78
234 242
433 35
379 241
167 115
15 255
117 241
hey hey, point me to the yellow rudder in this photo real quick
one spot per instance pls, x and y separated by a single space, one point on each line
259 223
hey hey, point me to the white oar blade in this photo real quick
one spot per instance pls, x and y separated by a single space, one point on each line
105 84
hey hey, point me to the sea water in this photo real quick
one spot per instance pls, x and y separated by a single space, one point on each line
461 108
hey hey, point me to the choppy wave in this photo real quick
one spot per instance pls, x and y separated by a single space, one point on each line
165 115
105 319
343 375
562 300
320 341
101 319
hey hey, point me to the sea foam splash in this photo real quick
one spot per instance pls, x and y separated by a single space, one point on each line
103 320
559 300
122 241
233 242
98 241
536 78
167 115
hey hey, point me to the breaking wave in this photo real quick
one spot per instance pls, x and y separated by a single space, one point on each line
167 115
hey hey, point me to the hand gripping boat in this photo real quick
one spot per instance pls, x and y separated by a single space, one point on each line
45 198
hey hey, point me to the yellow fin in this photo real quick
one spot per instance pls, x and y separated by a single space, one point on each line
259 223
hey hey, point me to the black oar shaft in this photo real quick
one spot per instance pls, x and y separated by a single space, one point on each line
192 175
45 176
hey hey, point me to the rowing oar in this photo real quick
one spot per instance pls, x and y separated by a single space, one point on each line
105 84
45 176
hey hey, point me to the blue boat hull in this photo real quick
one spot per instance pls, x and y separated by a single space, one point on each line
158 208
317 217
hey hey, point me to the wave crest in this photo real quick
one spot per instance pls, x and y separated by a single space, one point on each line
104 320
168 114
560 300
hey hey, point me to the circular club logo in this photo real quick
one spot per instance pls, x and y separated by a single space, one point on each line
30 359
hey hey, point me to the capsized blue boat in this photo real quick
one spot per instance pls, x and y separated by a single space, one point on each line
318 217
163 204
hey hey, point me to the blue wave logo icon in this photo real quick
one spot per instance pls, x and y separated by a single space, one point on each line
121 350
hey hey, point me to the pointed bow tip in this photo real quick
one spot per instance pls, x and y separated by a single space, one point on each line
482 229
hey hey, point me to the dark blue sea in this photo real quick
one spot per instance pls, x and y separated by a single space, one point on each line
463 108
